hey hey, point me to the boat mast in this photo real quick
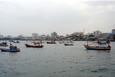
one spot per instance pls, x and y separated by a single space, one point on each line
87 42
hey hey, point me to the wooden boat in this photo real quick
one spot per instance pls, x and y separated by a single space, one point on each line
51 42
34 46
16 42
9 50
97 47
3 44
12 49
101 46
68 44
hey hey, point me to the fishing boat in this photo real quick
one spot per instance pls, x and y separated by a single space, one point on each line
11 49
68 43
101 46
16 42
3 44
52 42
36 45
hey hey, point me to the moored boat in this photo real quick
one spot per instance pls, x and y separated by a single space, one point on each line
97 47
101 46
68 43
34 46
3 44
11 49
52 42
16 42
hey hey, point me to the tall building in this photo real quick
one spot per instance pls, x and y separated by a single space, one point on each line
1 36
34 34
9 36
113 30
112 35
20 36
54 34
97 33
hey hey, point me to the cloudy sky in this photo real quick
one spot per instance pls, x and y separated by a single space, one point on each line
61 16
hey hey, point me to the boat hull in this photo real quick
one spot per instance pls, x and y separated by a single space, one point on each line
51 42
68 44
16 42
4 45
27 45
96 48
8 50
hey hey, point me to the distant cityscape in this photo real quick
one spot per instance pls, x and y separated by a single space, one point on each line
76 36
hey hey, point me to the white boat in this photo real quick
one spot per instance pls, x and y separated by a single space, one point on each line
68 43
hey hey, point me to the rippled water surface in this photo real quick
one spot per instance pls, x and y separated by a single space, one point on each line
57 60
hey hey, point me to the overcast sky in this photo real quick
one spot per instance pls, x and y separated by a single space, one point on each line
61 16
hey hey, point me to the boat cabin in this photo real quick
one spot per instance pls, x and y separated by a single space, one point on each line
13 47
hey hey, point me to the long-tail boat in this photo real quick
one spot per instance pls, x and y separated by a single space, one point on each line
52 42
11 49
68 43
36 45
101 46
3 44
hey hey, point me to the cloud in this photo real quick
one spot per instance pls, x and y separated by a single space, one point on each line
55 15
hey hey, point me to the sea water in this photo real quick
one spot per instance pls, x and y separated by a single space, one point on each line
57 60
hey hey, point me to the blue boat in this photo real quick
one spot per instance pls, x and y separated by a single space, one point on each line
101 46
97 47
3 44
11 49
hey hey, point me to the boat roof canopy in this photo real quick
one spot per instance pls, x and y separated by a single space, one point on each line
103 44
111 33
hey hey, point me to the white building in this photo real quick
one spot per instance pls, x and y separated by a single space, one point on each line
20 36
34 34
9 36
97 33
1 36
